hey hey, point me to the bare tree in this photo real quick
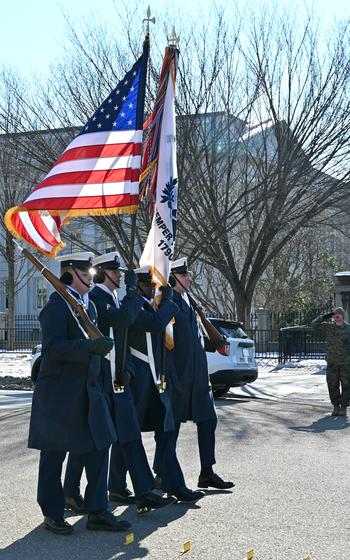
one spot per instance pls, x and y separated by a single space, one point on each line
212 290
289 168
301 276
263 133
15 185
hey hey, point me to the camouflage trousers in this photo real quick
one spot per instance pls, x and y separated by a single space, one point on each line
338 381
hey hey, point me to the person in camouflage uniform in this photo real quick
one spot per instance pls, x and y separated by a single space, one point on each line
337 337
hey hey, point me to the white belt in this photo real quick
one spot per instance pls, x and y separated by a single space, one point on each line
149 359
111 357
139 355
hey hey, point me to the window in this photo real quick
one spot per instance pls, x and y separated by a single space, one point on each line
109 246
40 293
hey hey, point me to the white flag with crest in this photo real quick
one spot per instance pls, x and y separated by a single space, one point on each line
159 247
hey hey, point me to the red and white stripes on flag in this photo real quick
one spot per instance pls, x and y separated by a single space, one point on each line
97 174
97 171
39 230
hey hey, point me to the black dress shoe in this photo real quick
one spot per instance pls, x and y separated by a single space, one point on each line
151 500
58 526
214 481
184 494
76 504
106 521
124 497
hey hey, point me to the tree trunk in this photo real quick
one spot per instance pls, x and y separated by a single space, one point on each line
243 307
10 252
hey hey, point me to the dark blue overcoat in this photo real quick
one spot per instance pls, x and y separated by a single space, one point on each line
70 409
153 408
117 319
191 395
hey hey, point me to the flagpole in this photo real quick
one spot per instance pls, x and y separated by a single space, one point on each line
140 120
123 376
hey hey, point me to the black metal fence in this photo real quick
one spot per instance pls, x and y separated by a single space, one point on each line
23 337
293 317
288 344
274 344
266 342
300 342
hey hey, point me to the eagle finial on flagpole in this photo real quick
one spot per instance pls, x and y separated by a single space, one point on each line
174 39
149 19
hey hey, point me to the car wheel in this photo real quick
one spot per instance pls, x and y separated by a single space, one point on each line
220 390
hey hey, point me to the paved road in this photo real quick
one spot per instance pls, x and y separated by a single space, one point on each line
290 463
15 399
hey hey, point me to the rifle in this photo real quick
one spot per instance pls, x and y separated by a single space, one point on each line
213 334
77 306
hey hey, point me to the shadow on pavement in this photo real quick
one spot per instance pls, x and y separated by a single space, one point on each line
230 399
324 424
252 392
212 492
99 545
252 416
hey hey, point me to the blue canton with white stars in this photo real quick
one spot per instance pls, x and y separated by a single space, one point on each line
119 110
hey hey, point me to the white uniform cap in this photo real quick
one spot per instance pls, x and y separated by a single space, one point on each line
78 260
144 273
110 261
180 266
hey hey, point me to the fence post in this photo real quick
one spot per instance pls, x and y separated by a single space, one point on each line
281 355
263 327
2 330
263 317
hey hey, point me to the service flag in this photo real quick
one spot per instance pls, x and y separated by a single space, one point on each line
97 174
159 248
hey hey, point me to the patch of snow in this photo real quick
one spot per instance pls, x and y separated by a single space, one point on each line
15 364
316 365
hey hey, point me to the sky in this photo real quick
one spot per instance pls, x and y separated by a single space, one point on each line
33 32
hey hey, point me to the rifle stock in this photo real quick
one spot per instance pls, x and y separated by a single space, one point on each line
91 329
213 334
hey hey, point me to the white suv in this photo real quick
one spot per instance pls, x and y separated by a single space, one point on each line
239 366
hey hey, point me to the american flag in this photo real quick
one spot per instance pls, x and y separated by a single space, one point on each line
97 174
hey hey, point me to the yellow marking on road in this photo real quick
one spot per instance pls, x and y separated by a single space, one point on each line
129 538
187 545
